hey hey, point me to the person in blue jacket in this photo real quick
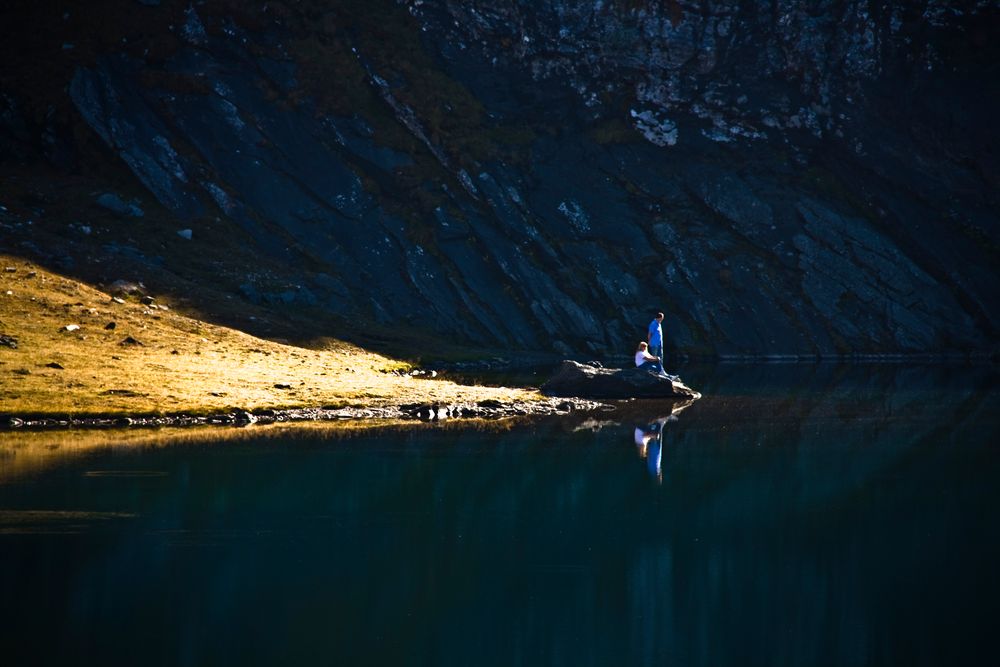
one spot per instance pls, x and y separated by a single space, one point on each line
654 336
654 343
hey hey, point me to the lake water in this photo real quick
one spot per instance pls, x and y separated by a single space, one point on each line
796 515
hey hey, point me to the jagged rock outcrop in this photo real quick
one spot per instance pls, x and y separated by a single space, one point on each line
779 179
587 381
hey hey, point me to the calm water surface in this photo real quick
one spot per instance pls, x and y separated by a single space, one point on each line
794 516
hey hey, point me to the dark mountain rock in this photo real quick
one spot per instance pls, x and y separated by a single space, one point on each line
107 100
796 179
116 204
587 381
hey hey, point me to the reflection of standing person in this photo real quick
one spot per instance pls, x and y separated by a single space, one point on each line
655 453
654 336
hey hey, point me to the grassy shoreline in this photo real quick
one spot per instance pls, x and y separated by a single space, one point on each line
70 361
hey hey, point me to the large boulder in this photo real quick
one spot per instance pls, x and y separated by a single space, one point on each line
587 381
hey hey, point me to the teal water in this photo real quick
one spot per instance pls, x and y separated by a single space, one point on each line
793 516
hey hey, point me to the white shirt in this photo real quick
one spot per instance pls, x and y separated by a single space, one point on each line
643 356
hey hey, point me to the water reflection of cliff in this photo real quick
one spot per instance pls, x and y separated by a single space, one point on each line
836 513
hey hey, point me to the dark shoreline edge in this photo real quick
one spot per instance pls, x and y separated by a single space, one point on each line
973 357
487 409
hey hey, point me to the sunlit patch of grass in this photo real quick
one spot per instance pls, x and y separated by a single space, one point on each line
179 364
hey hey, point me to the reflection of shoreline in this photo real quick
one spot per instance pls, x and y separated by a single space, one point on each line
28 452
626 412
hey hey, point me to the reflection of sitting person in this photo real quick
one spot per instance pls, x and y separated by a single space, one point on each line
649 442
643 359
642 438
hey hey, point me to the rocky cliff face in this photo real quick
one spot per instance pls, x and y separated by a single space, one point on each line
777 177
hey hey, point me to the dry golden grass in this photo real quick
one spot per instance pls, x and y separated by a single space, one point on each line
183 365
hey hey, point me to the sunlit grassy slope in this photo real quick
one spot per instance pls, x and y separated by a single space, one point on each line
180 364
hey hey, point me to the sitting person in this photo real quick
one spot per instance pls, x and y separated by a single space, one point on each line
643 359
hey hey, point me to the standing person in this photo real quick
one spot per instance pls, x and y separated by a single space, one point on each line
654 341
654 336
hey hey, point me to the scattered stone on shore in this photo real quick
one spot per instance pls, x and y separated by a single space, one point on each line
416 372
71 328
244 418
492 409
110 326
147 300
488 409
8 341
56 365
130 341
279 385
